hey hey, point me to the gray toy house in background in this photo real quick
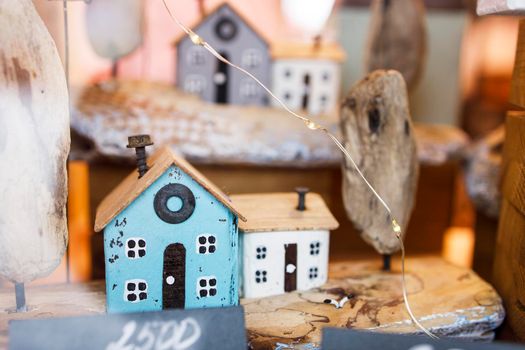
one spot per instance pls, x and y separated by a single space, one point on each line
232 36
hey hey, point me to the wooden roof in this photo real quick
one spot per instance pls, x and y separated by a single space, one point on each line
211 11
307 50
129 189
266 212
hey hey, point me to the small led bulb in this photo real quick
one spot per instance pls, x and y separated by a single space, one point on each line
196 39
395 226
311 125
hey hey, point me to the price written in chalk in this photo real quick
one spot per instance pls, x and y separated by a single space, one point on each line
198 329
170 335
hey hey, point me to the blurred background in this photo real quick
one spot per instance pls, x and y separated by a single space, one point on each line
459 104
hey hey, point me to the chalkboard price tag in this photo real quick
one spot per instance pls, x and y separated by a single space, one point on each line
345 339
167 330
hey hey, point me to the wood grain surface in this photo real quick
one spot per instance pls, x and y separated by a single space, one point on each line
509 265
451 301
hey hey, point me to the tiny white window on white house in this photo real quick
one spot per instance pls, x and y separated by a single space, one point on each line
249 89
287 72
207 286
313 273
196 56
261 276
194 84
135 290
251 58
261 252
135 248
315 248
206 244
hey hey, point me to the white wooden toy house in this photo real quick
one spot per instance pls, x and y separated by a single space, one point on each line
307 76
284 242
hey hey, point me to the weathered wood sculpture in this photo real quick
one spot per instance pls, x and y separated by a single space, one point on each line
397 38
34 145
509 260
377 132
115 27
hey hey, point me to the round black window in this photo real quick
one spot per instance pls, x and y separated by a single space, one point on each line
226 29
187 203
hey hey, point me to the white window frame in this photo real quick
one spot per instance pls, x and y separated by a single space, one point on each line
137 292
136 249
316 249
311 271
196 56
262 276
206 245
194 84
260 252
251 58
249 89
208 288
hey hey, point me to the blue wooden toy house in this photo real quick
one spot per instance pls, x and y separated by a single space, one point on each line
170 239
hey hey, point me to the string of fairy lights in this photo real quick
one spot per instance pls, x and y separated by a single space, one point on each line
310 124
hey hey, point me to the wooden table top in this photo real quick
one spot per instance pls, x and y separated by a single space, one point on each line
449 300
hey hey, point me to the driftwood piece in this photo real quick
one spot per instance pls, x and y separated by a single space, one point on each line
433 285
397 38
483 172
297 318
34 144
517 90
106 114
509 263
115 27
378 133
500 7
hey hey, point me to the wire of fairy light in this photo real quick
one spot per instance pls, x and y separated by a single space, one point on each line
310 124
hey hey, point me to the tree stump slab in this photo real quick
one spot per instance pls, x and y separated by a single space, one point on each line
451 301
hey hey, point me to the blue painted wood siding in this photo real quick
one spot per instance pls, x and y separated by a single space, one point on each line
139 220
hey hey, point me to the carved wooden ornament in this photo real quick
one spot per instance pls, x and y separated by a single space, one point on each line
397 38
34 145
377 132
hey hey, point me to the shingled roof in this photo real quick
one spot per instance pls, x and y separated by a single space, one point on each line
129 189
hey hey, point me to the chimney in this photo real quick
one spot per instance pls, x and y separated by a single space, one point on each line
301 192
139 143
318 41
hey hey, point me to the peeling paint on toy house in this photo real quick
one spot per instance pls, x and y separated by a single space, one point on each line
170 240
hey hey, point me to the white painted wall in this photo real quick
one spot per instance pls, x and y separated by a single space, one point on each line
273 263
288 83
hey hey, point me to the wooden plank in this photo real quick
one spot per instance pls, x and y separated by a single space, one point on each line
277 212
513 186
517 90
299 317
433 286
509 264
